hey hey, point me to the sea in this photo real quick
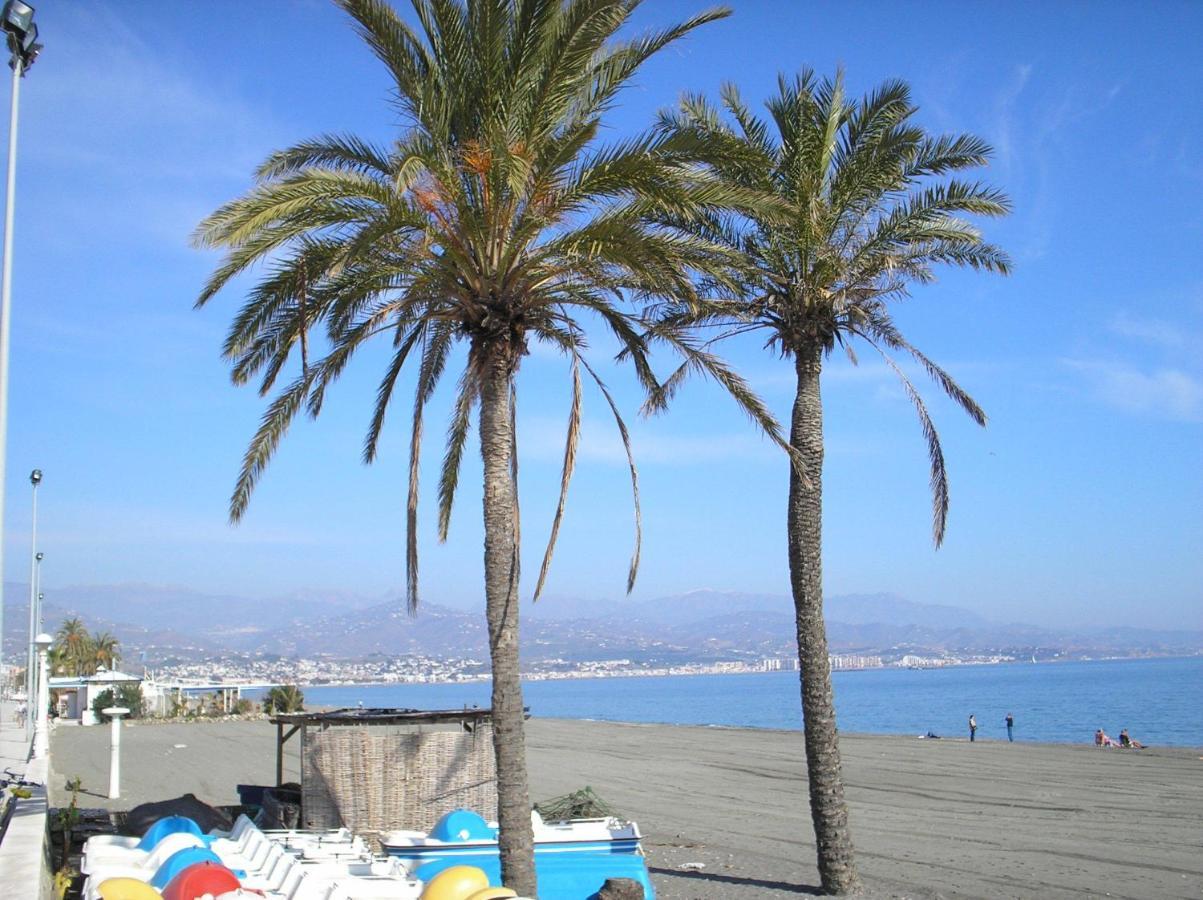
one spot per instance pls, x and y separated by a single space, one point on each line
1159 701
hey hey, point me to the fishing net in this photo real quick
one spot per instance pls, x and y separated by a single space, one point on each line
582 804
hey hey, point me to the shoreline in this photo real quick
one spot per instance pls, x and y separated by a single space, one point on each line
1190 749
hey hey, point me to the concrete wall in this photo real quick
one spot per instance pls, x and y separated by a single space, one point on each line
24 862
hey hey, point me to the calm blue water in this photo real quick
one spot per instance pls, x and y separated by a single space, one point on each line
1159 701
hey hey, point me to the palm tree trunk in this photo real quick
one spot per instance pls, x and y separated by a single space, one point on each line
517 843
833 839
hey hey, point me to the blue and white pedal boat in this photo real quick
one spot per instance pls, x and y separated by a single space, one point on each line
464 836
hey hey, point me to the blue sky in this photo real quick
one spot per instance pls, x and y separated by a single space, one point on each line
1081 503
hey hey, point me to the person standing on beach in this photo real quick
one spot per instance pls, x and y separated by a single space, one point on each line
1010 725
972 728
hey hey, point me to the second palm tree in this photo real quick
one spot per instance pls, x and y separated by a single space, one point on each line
861 212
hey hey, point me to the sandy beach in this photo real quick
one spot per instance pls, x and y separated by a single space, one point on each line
930 818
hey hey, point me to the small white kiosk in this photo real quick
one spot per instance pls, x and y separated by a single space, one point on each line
76 693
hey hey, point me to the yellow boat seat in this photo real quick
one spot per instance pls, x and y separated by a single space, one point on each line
127 889
456 883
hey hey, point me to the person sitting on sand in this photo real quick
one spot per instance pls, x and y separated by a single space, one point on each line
1127 743
1102 740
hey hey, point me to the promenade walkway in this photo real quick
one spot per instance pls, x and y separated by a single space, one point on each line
24 874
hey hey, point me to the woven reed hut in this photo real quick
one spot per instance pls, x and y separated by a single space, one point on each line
377 770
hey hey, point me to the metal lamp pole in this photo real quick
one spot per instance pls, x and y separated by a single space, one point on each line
17 20
35 479
6 280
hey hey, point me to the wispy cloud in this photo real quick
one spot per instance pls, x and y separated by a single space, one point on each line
117 117
1005 121
1030 129
1171 335
1164 393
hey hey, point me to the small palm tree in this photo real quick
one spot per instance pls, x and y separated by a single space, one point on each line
494 220
106 651
284 698
863 211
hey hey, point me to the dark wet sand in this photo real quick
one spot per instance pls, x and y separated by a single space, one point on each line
930 818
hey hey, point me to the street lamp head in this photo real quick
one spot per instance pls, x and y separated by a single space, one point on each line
35 477
43 641
17 17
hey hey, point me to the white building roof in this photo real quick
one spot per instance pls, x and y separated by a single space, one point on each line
102 677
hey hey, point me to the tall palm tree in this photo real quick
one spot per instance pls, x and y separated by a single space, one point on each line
866 208
496 218
75 646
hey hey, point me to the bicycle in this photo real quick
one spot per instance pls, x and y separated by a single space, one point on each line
13 780
20 791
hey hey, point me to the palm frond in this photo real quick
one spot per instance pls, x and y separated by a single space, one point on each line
436 345
570 444
890 336
457 437
273 426
384 393
705 363
939 475
334 151
412 66
626 446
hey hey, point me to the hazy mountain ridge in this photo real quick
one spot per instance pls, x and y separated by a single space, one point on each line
700 625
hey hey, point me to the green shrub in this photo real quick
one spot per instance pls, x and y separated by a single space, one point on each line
127 694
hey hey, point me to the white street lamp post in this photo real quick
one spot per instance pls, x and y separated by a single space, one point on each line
41 736
16 20
115 713
35 558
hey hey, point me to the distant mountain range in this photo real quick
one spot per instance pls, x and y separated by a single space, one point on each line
696 606
169 623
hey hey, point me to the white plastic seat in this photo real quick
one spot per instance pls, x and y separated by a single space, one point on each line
255 855
107 856
271 877
242 824
240 839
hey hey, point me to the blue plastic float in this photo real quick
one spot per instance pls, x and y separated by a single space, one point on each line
564 876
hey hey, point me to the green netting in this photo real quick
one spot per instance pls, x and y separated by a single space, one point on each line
582 804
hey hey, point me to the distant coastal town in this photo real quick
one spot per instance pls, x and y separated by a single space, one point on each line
417 669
